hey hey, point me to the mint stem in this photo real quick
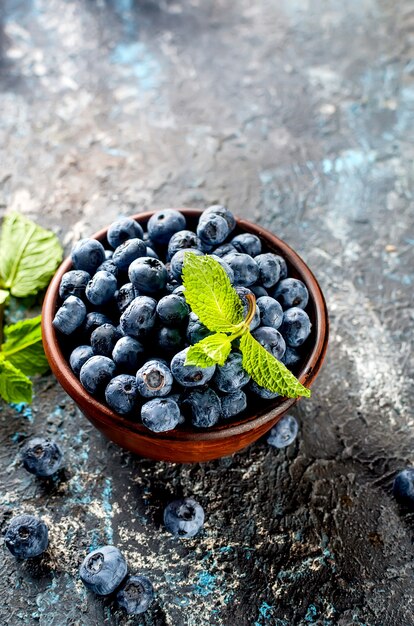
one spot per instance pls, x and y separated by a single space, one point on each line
245 325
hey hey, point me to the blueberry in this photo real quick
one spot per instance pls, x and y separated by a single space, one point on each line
121 394
87 255
122 230
259 291
243 293
184 518
139 317
284 433
170 340
148 275
177 261
103 570
74 283
154 379
96 373
42 457
271 340
270 268
127 353
218 209
92 321
164 224
151 253
190 375
271 312
128 252
101 287
246 270
296 326
231 376
109 266
204 406
247 243
136 595
291 292
403 487
262 392
104 338
172 310
180 240
233 403
213 230
26 536
78 357
180 291
70 315
291 357
226 267
225 248
196 331
160 414
125 295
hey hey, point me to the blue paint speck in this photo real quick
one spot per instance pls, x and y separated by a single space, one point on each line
107 507
206 584
311 614
24 409
140 62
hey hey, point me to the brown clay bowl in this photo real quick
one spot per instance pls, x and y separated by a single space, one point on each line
186 444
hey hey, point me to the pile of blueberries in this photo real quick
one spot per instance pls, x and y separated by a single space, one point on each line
126 325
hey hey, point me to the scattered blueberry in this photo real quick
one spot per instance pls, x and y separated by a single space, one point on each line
103 570
403 487
190 375
164 224
271 340
204 406
139 317
78 357
271 312
148 275
160 414
121 394
291 292
42 457
231 376
70 315
128 252
248 244
26 536
122 230
74 283
96 373
136 595
233 403
284 433
184 518
127 354
87 255
154 379
296 326
101 287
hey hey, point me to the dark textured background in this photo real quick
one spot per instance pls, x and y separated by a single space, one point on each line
297 114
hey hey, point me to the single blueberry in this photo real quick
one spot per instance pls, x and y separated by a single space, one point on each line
247 243
74 283
262 392
109 266
231 376
270 268
225 248
103 570
101 288
296 326
139 317
122 230
160 414
128 252
271 312
184 518
245 268
213 230
204 406
164 224
179 291
177 261
125 295
121 394
92 321
173 310
87 255
42 457
136 595
403 487
218 209
78 357
180 240
291 292
190 375
104 338
196 331
284 433
70 315
148 275
271 340
154 379
169 339
233 403
26 536
96 373
291 358
127 354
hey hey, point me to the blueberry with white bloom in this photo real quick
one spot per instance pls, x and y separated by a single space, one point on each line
101 288
213 230
96 373
284 433
74 283
218 209
136 595
122 394
184 518
123 229
233 403
26 536
42 457
164 224
70 316
78 357
160 414
128 252
204 406
291 292
148 275
247 243
103 570
154 379
296 326
271 340
190 375
271 312
128 353
87 255
139 317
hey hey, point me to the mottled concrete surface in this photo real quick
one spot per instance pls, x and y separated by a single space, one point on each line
298 114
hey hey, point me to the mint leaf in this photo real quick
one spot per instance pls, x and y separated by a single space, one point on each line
14 385
3 296
210 294
210 350
29 255
268 371
23 346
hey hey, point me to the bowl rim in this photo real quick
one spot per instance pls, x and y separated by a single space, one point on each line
102 413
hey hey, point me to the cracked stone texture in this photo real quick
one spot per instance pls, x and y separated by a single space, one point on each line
297 115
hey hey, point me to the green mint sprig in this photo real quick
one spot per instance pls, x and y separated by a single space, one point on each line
29 256
214 300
